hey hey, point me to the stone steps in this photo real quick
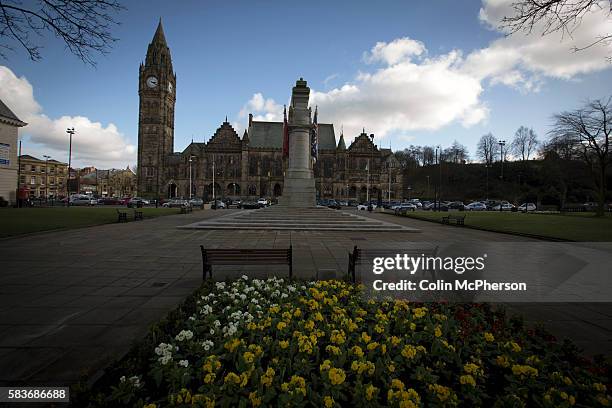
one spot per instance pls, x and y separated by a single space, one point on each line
310 219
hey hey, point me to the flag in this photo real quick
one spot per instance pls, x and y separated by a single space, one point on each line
314 137
285 133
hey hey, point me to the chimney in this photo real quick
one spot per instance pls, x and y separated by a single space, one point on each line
250 119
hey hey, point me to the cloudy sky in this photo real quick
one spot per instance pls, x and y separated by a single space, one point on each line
418 72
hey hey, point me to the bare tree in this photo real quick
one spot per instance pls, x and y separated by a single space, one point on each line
487 148
556 16
525 143
456 153
84 26
588 130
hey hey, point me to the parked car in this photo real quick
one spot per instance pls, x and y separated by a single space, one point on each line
476 206
137 202
527 207
343 203
333 204
110 201
364 206
263 202
352 203
218 205
456 205
197 202
404 208
79 200
505 206
249 205
176 203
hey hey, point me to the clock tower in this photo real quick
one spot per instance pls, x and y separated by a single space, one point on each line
156 89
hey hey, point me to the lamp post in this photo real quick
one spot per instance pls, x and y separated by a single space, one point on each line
368 182
502 143
427 187
389 198
213 183
46 176
487 182
71 132
190 177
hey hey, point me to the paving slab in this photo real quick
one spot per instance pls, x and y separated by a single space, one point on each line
62 316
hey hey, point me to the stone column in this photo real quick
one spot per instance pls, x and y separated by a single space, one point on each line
299 190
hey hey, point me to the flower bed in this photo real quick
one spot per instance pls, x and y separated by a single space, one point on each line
275 342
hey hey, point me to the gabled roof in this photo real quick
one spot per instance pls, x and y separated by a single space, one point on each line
8 116
270 135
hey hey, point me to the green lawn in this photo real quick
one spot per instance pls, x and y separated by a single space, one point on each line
20 221
571 226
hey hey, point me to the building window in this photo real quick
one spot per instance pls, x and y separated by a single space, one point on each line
33 180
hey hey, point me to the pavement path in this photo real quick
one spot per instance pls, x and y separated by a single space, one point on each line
73 301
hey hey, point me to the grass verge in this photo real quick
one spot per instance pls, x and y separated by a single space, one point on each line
19 221
571 227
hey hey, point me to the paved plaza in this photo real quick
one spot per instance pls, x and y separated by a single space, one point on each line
75 301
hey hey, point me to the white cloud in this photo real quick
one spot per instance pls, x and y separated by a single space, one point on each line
262 109
398 50
404 95
411 90
523 59
93 144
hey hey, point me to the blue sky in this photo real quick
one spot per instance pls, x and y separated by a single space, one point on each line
225 52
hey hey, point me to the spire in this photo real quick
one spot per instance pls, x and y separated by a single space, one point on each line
159 36
158 53
225 118
245 137
341 144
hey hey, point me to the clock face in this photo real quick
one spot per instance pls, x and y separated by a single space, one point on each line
170 87
152 82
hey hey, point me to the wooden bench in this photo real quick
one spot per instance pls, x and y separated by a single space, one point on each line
357 256
270 256
459 219
138 215
186 209
121 216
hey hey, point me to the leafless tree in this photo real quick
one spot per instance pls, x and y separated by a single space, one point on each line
456 153
556 16
525 143
487 148
83 25
588 130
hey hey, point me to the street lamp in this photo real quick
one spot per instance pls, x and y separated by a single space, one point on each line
190 182
427 187
487 182
71 132
502 143
46 175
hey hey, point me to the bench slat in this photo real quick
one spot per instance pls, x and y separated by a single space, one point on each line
245 256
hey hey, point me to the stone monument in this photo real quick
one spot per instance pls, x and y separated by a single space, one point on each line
299 187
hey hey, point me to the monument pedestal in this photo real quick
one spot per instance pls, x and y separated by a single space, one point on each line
299 186
298 193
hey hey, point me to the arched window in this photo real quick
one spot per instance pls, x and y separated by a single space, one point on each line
252 190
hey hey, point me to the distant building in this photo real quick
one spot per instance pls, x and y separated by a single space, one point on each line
251 166
9 126
107 183
43 178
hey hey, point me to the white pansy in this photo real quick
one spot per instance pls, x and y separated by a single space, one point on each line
184 363
184 335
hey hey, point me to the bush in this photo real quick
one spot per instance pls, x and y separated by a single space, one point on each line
273 342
